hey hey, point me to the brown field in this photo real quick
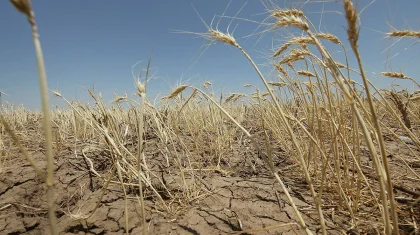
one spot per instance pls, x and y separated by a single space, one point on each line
315 152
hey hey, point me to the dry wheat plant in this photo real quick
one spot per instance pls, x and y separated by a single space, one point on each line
348 150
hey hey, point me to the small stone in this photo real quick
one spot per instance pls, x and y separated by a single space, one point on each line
406 139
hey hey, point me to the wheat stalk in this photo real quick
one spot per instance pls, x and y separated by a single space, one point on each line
352 32
291 21
399 76
332 38
404 33
24 6
351 17
281 49
176 92
277 84
287 12
306 73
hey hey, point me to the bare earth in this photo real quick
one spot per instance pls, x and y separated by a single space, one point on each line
240 199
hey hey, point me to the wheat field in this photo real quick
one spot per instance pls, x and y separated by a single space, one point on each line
313 152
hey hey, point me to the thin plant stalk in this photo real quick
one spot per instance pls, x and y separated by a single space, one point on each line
24 6
351 16
118 166
140 126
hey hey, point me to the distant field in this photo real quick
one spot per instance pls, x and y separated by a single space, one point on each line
314 152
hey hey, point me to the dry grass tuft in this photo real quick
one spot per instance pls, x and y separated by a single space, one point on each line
313 119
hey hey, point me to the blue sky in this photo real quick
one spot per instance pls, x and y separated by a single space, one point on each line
98 41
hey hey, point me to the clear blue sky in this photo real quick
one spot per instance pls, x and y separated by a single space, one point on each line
98 41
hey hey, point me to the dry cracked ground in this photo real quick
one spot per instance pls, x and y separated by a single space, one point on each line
240 201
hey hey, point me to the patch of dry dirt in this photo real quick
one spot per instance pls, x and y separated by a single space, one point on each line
236 203
245 198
